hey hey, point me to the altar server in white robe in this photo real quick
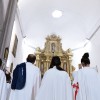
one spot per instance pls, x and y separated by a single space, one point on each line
86 84
33 78
3 87
56 84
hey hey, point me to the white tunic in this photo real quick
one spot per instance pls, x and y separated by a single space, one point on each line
74 74
89 84
30 90
56 85
8 90
3 86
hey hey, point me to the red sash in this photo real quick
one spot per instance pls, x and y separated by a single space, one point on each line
76 86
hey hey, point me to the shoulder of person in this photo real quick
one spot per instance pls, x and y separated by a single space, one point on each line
52 70
65 73
48 72
20 65
36 68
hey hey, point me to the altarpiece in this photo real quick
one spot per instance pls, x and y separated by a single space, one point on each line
53 46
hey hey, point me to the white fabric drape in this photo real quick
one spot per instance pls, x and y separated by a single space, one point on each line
89 84
55 85
8 90
3 87
31 87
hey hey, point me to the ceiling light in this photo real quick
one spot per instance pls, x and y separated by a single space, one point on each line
57 14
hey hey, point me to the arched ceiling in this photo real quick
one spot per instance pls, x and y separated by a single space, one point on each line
76 24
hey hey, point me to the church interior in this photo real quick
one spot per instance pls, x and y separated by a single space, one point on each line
67 28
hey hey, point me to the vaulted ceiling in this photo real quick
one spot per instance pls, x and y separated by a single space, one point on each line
78 21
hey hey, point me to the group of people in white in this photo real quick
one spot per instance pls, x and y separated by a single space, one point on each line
26 82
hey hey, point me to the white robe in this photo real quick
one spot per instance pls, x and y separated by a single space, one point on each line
56 85
30 90
89 84
3 86
74 74
8 90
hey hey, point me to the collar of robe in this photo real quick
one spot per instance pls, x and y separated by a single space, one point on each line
54 67
88 67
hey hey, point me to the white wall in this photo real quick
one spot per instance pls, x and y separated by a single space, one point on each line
22 48
77 54
93 47
95 50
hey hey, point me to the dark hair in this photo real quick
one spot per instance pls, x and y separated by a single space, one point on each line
56 62
85 59
31 58
0 62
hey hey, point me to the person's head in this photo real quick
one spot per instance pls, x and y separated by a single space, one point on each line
56 62
0 62
85 61
31 58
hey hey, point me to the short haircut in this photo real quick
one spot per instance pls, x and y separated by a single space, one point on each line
31 58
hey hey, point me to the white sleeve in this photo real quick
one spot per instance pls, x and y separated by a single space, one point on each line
69 89
3 87
37 83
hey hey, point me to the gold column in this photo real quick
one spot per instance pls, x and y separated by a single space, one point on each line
37 60
69 53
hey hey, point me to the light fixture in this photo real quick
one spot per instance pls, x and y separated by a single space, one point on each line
57 13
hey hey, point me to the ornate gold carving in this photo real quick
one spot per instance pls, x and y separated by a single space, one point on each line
53 46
